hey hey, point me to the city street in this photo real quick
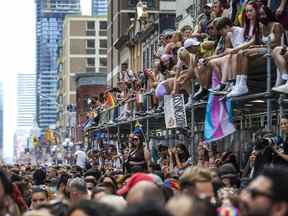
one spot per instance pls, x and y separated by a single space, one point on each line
144 108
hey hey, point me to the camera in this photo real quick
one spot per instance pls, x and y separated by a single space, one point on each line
266 142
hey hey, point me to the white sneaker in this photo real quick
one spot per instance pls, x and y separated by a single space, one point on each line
281 89
238 91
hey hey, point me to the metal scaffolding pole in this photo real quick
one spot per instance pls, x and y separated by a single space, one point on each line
268 90
192 149
281 110
147 121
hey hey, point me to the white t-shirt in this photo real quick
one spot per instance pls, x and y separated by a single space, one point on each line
236 36
81 158
127 76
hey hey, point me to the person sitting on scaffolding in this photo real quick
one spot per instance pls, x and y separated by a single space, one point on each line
255 43
267 28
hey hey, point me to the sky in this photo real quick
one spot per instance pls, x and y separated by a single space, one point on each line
18 55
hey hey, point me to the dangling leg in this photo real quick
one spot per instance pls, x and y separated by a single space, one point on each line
241 87
222 66
282 65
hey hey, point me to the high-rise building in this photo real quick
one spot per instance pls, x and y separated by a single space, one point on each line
26 107
26 100
84 51
99 7
1 119
49 30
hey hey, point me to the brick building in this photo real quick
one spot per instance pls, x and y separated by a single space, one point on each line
88 85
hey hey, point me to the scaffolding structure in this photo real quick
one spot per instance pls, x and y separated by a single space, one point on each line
256 110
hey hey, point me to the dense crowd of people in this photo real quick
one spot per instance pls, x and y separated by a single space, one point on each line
211 187
160 180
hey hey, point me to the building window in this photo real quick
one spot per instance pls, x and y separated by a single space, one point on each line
90 44
103 62
90 25
103 44
103 25
90 62
102 33
90 28
102 51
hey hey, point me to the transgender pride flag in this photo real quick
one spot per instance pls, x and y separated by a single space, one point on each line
218 118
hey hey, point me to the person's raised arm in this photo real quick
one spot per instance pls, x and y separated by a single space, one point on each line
281 8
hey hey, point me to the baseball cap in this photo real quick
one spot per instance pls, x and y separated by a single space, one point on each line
191 42
132 181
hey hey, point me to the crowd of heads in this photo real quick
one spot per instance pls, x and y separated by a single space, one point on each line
139 179
197 191
163 180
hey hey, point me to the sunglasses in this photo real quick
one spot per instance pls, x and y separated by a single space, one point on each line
254 193
135 138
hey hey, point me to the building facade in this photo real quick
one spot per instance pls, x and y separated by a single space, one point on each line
129 41
1 119
84 51
26 100
49 30
26 112
89 85
187 11
99 7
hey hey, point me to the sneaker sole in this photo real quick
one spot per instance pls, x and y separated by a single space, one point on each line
220 93
280 91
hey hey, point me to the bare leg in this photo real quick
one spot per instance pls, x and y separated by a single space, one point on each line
242 61
240 87
280 60
233 73
224 66
203 74
282 65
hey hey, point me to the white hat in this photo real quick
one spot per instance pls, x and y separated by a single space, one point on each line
191 42
208 5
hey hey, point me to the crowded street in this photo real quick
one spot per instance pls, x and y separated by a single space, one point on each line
152 108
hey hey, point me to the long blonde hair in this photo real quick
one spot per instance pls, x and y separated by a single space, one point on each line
183 54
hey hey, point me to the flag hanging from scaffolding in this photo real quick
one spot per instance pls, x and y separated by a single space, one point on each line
218 119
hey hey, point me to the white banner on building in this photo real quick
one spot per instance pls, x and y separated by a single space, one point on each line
174 109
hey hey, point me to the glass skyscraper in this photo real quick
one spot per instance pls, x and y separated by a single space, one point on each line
49 32
99 7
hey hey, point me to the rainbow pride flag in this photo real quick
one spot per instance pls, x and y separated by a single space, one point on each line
218 118
241 10
228 211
